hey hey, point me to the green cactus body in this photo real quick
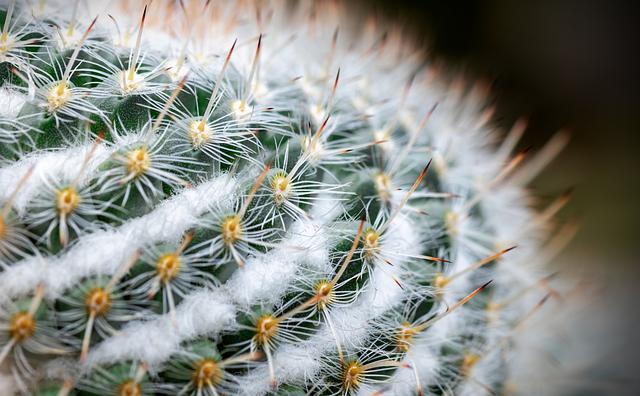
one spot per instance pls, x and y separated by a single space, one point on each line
294 212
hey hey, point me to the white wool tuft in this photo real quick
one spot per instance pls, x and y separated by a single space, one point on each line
302 363
265 278
425 361
204 312
11 102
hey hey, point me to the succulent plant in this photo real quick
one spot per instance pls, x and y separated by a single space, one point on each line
208 199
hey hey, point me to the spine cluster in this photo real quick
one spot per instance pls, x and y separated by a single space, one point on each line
208 199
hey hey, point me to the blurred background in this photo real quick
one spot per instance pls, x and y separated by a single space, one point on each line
573 65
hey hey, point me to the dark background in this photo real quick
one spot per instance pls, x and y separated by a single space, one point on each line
574 65
561 64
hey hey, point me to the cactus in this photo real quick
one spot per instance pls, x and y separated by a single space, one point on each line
208 199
